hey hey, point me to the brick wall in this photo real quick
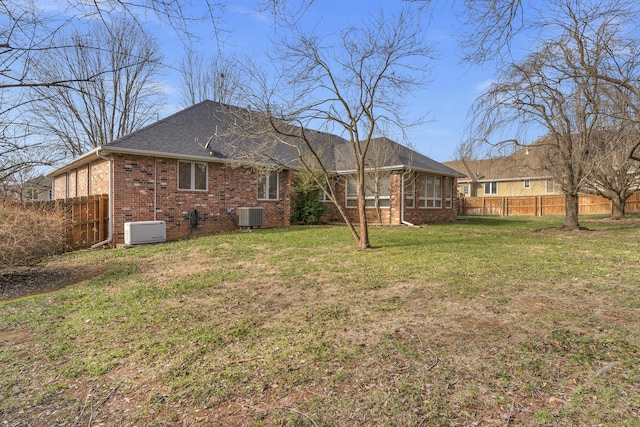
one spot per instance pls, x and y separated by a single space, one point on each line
146 188
393 214
88 180
145 183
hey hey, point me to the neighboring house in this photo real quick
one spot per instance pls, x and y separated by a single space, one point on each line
193 160
520 174
34 189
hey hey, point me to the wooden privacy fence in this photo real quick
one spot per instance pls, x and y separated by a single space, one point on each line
86 219
540 205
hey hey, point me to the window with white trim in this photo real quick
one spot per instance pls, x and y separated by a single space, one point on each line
409 191
430 192
549 186
323 196
448 192
268 185
527 183
192 176
377 192
324 192
490 188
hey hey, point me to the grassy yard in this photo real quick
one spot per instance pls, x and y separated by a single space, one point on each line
485 322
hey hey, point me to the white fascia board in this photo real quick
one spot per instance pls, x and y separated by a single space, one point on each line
74 163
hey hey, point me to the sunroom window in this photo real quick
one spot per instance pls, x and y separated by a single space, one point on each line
431 192
377 192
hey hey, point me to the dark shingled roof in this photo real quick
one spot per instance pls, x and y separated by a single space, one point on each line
219 132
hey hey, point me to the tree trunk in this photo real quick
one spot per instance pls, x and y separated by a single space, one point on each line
571 214
362 212
617 206
618 200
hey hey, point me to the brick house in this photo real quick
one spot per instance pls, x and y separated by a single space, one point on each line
189 160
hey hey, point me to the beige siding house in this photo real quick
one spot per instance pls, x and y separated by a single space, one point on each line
520 174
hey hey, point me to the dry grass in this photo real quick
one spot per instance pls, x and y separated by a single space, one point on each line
28 234
479 323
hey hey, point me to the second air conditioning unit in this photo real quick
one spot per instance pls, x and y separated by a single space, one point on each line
250 217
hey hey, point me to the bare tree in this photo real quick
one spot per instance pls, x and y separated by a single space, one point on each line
217 78
350 84
551 90
112 93
617 175
28 31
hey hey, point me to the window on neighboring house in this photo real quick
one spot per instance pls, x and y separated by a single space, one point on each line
448 192
490 188
549 186
410 191
192 176
465 190
430 192
377 192
268 185
527 183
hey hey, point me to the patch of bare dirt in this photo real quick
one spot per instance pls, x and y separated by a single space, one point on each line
25 281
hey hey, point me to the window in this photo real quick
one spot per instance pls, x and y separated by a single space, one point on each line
268 185
352 193
490 188
448 192
324 192
377 192
323 196
431 192
465 190
410 191
527 183
192 176
549 186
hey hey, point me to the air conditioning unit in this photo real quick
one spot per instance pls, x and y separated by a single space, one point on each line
250 217
141 232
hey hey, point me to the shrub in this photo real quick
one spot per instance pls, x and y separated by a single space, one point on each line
306 207
29 233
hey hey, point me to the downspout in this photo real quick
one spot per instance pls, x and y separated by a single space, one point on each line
155 189
110 236
402 203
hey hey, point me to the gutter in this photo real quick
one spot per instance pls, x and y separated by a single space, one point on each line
110 236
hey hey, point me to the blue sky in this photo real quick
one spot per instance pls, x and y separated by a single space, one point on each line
445 100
